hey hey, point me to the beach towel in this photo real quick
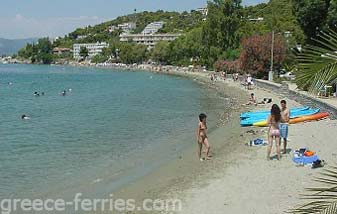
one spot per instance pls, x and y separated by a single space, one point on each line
304 160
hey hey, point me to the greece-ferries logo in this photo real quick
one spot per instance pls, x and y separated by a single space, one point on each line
79 203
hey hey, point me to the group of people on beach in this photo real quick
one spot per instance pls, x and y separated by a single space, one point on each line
278 122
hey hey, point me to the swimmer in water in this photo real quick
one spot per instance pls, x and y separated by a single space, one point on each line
63 93
25 117
36 94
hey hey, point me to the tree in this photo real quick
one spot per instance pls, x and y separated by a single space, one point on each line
221 30
132 53
160 53
186 48
99 58
332 14
312 15
44 52
228 66
84 53
256 53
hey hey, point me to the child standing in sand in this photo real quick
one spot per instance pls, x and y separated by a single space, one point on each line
202 136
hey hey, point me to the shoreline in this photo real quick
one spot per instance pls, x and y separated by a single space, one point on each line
238 179
251 184
181 172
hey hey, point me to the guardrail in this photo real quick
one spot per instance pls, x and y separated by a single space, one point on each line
307 100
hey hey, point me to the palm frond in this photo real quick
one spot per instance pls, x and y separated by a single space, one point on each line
322 200
317 63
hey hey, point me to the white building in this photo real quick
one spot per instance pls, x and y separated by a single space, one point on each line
112 28
203 11
126 27
81 37
93 49
150 40
153 27
259 19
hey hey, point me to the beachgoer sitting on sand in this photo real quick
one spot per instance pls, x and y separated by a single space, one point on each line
24 117
252 100
274 130
202 137
285 113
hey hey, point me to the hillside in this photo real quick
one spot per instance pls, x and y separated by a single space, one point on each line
12 46
204 39
174 22
278 15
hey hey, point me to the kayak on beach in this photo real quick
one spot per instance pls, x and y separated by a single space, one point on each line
313 117
267 112
263 117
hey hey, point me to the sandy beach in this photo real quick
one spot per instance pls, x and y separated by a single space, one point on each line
239 179
253 185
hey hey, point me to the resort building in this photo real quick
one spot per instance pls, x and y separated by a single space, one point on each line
60 51
150 40
126 27
203 11
93 49
153 27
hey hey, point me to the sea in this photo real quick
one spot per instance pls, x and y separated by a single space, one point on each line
111 128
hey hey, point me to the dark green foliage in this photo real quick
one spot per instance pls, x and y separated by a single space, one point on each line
38 53
312 15
221 29
84 53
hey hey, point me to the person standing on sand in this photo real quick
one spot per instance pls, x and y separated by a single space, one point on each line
285 113
202 136
274 131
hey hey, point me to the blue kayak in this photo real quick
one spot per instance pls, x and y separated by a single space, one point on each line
267 112
293 114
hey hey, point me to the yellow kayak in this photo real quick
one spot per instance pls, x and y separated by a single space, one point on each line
317 116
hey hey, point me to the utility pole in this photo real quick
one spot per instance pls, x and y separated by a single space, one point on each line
271 73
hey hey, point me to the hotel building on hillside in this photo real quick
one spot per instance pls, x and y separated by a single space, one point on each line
93 49
153 27
203 11
150 40
126 27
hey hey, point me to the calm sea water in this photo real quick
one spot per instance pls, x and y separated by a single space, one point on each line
112 128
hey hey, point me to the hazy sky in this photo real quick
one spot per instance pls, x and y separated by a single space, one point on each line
37 18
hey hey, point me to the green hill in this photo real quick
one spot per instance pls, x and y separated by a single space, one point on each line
277 15
174 22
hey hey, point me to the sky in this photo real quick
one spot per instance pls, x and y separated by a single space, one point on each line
39 18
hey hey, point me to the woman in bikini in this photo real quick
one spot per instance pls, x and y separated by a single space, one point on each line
202 136
274 131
